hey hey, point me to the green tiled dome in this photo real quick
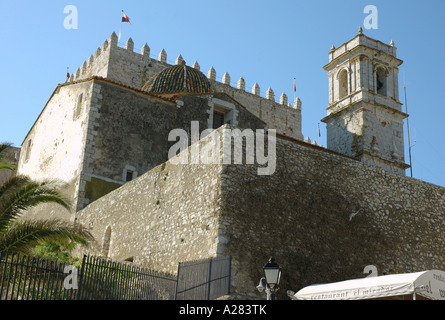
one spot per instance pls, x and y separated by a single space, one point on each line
171 80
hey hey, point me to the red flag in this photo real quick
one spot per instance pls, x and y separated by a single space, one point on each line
125 18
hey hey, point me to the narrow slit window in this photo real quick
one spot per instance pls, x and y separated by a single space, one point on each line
28 150
78 108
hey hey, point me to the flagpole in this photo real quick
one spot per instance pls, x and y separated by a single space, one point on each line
120 30
319 133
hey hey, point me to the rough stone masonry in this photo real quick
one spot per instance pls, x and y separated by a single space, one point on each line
300 215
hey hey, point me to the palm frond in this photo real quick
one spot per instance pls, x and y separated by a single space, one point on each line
23 235
10 187
21 193
6 166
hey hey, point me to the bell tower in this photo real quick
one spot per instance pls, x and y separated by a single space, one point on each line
364 116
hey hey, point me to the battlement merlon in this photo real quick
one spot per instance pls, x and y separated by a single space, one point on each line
133 69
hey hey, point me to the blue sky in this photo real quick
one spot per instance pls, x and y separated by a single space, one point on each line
269 42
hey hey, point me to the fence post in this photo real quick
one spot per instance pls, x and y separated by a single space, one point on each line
80 278
2 275
210 279
177 281
230 274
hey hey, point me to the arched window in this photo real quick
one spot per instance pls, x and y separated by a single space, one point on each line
106 243
343 84
381 81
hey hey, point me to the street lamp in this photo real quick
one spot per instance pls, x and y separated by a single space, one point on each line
272 274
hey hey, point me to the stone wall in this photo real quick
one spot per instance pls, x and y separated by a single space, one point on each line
127 130
133 69
130 129
54 147
282 117
92 130
300 215
167 215
371 134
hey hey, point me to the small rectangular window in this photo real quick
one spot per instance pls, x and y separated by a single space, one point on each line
218 120
129 175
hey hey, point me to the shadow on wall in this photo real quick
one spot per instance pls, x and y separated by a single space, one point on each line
298 216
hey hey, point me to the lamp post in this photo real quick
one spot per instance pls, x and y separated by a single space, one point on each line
272 274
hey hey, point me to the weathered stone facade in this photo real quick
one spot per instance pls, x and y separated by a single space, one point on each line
300 215
49 150
116 130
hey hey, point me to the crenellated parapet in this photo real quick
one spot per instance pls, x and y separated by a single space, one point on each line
281 115
130 68
109 58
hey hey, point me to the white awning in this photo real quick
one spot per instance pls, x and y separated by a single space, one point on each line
429 284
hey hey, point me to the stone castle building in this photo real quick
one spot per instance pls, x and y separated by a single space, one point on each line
105 132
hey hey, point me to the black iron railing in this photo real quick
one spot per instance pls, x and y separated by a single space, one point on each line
204 279
25 277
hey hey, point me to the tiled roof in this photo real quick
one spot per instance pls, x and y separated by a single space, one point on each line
171 80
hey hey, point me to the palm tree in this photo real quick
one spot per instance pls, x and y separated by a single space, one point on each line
20 193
